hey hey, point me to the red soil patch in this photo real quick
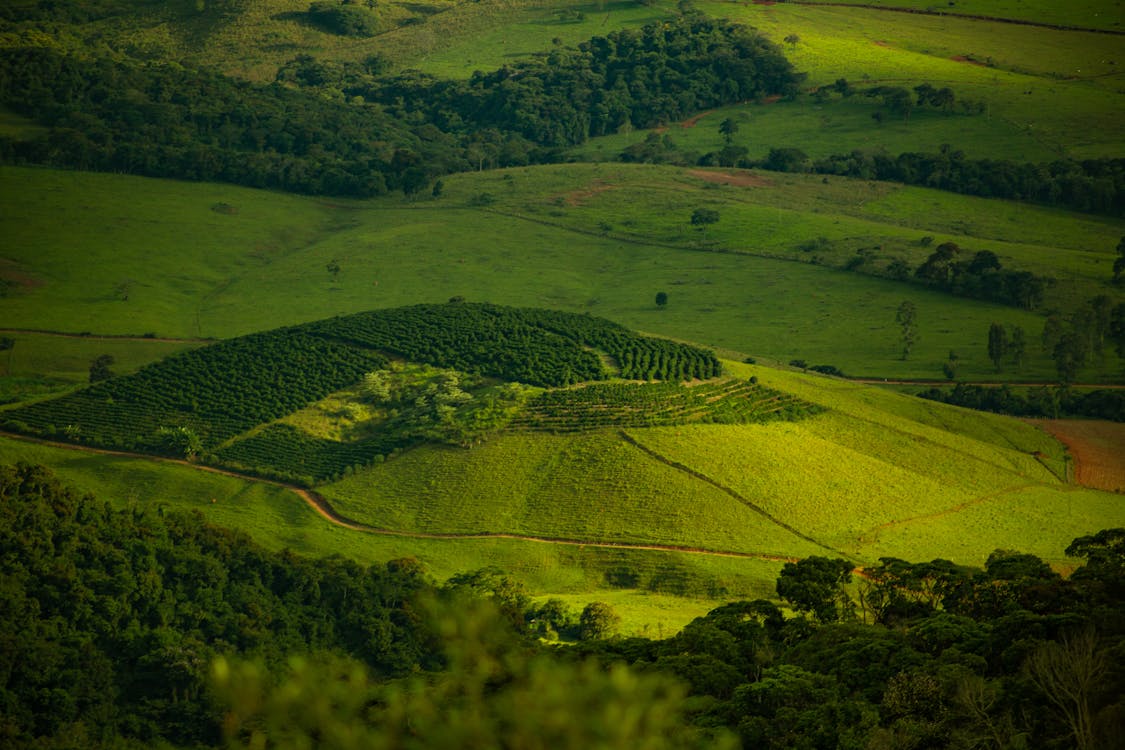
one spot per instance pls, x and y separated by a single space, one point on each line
772 99
880 44
11 275
691 122
738 179
967 61
1097 447
578 197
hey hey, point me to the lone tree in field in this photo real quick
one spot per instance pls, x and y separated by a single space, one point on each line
907 318
703 217
333 268
997 344
728 128
99 368
597 621
792 40
661 299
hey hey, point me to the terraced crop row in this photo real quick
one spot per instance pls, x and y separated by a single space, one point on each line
659 404
284 452
217 392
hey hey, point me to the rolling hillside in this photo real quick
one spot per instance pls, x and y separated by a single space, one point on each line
623 489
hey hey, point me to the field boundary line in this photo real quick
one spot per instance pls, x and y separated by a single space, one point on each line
324 509
868 536
109 336
729 491
966 16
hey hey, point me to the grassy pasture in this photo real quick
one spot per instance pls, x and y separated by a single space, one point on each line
541 242
592 487
41 364
1047 93
1092 14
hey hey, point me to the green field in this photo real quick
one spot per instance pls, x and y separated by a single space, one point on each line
543 241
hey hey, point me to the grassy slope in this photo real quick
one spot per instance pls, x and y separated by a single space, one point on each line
539 244
278 519
880 475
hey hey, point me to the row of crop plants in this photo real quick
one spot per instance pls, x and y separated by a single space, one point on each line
659 404
283 452
539 347
215 392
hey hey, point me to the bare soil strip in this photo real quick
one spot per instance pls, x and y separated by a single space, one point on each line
1097 447
327 512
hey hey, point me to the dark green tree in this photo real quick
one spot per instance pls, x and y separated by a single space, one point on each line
816 585
1117 328
728 128
997 344
99 368
7 345
703 218
907 319
1017 345
661 299
597 621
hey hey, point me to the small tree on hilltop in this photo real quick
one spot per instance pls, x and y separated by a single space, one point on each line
661 299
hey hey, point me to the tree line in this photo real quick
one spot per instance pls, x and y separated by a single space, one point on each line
170 121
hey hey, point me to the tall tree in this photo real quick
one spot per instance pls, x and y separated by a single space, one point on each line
728 128
997 344
1017 345
907 319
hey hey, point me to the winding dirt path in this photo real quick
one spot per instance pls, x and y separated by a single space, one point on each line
325 510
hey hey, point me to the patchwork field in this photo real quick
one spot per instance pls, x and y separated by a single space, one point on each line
586 238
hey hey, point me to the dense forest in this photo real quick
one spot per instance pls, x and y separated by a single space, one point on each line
360 134
128 628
